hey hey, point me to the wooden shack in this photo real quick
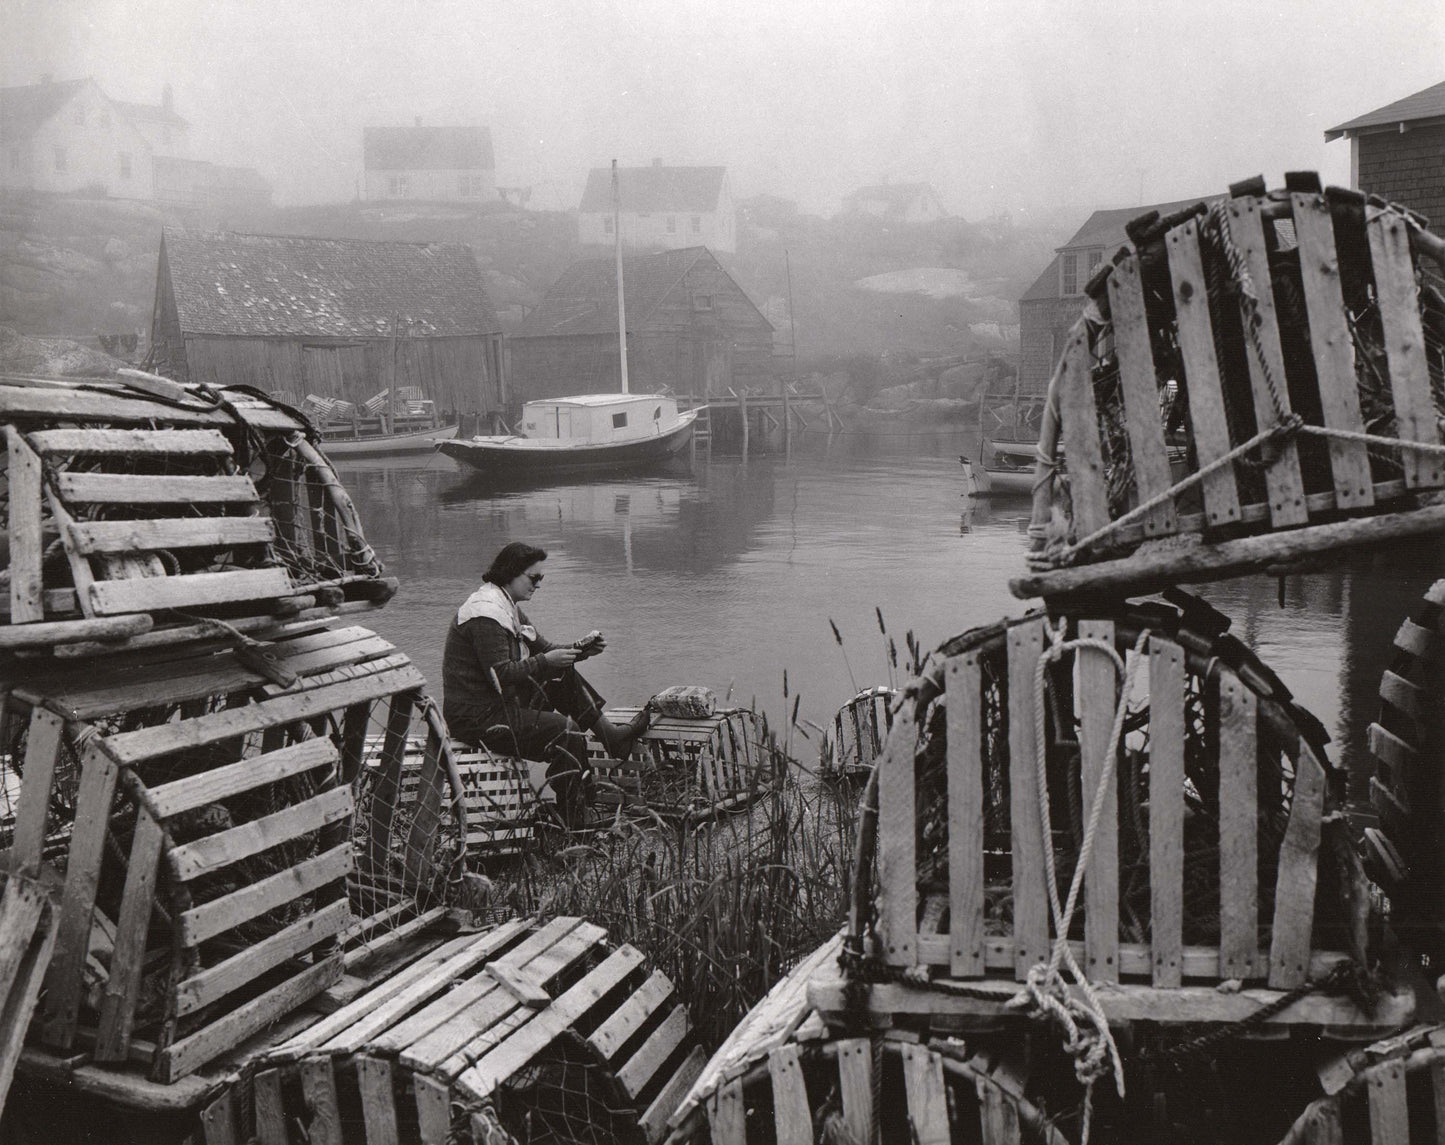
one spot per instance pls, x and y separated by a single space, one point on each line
332 317
690 328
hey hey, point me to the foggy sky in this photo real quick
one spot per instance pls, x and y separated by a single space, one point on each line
1037 105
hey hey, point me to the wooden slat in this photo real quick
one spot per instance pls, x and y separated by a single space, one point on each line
1166 811
654 1120
80 571
1282 476
660 1045
963 684
1030 889
629 1017
1238 830
170 533
63 982
927 1098
1294 894
122 988
1088 491
1437 1091
998 1115
1402 693
792 1115
517 1051
148 489
143 594
208 854
270 1111
1202 381
218 1120
324 659
29 402
855 1086
244 775
1389 1115
1405 347
209 919
1333 346
318 1088
27 541
128 442
727 1115
42 749
433 792
1098 698
378 1100
145 743
1415 639
225 977
21 977
1140 389
898 895
433 1110
190 1053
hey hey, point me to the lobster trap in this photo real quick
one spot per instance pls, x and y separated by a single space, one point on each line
131 513
1254 382
200 822
1195 793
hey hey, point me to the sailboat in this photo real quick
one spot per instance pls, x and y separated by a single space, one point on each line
586 431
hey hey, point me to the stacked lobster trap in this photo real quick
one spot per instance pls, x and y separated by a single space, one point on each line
1107 882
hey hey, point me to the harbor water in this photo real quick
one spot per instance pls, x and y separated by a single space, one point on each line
732 574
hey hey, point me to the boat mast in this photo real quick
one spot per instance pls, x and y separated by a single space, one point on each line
621 305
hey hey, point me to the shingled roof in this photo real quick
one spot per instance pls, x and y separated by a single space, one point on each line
1427 104
23 109
584 299
683 190
427 148
281 286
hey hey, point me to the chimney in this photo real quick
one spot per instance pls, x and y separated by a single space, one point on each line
168 99
416 122
657 162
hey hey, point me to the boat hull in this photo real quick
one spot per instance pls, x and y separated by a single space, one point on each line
522 455
388 444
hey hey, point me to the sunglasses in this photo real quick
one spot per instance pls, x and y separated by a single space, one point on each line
536 578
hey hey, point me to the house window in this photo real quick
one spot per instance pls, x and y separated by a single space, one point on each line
702 301
125 164
166 136
607 224
1095 258
60 164
80 117
672 224
697 224
1069 274
619 421
399 186
471 186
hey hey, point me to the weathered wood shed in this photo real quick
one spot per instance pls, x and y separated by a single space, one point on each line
296 316
690 327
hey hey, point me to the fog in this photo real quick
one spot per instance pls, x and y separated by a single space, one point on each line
1030 105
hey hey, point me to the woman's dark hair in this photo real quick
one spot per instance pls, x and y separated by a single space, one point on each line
514 559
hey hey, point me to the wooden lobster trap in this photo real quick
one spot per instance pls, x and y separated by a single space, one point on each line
1260 380
200 820
132 506
1202 808
531 1031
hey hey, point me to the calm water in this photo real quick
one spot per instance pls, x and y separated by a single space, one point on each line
728 573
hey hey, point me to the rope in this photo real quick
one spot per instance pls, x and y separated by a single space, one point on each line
1088 1038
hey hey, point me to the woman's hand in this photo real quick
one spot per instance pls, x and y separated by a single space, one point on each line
563 657
593 644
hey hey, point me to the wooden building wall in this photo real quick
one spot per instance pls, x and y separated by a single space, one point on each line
459 374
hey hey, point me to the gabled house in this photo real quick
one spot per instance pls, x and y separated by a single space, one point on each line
298 316
435 164
70 136
690 329
1051 306
1398 151
667 207
907 203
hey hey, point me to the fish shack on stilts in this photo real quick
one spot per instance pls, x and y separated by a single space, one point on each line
1108 884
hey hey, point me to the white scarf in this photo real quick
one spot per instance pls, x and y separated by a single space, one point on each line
492 602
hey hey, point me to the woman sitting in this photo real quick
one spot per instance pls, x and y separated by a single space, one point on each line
508 688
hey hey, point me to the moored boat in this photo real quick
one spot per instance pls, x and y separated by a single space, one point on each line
387 444
584 431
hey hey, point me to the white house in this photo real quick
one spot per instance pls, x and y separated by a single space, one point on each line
897 202
70 136
667 207
440 164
